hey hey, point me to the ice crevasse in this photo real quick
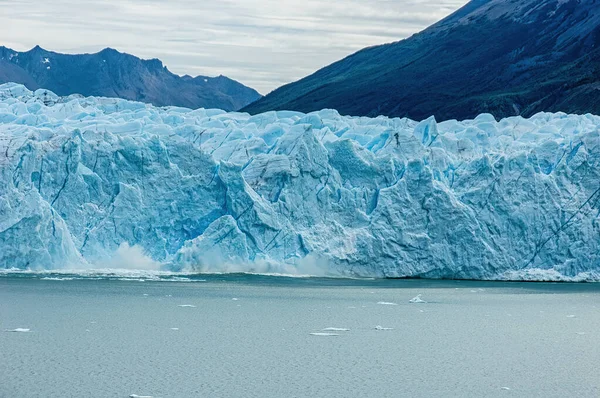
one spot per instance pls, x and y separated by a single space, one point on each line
205 190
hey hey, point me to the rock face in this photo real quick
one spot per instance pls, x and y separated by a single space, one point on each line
505 57
289 192
110 73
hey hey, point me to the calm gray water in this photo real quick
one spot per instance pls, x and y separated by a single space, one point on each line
249 336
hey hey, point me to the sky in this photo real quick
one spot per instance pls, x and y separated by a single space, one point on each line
261 43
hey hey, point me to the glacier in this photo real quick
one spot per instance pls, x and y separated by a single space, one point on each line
209 191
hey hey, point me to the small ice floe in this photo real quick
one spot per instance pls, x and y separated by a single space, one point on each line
87 330
174 328
323 334
52 278
235 299
139 396
186 306
336 330
580 333
386 303
179 279
505 388
570 316
417 300
145 295
18 330
382 328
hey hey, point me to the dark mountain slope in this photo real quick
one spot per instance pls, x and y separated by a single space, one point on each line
110 73
505 57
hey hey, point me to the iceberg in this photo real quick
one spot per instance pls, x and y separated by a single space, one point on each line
285 192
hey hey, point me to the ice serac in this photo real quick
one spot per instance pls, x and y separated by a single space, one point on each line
289 192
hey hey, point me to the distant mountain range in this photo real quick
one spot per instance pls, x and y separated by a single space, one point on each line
110 73
505 57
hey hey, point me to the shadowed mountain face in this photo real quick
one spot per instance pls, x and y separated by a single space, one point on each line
110 73
505 57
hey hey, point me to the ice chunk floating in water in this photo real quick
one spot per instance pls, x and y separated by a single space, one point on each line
417 300
97 181
382 328
324 334
386 303
18 330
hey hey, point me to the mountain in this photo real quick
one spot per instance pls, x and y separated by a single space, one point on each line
85 180
110 73
504 57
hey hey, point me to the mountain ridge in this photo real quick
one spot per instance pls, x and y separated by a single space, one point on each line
110 73
491 56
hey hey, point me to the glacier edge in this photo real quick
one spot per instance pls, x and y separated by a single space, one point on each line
204 190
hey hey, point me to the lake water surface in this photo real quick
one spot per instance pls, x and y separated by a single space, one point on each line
250 336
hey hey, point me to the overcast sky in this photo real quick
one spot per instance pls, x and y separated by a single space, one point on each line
261 43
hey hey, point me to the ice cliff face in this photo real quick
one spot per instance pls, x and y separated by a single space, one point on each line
283 191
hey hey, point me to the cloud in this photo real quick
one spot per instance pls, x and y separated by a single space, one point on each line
262 43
